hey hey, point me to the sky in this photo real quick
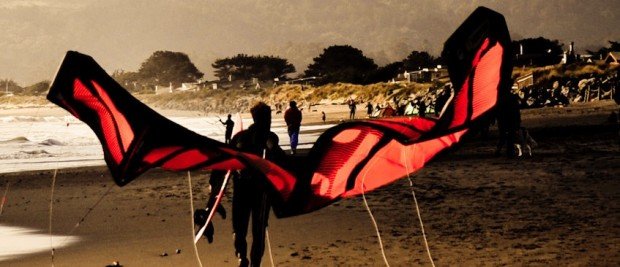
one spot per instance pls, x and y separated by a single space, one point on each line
121 34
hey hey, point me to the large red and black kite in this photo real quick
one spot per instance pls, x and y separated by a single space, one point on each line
346 160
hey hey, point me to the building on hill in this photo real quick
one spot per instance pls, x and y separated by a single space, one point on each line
189 87
587 58
309 81
612 58
424 75
253 83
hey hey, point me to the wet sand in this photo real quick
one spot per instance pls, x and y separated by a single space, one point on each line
560 207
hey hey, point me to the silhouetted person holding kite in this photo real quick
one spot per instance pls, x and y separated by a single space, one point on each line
249 188
292 117
250 197
230 124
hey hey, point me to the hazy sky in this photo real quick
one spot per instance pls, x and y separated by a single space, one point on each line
121 34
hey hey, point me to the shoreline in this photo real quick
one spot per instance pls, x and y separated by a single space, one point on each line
565 119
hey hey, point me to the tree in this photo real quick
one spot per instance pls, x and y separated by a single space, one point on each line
165 67
341 63
10 86
537 51
417 60
386 73
39 88
128 79
246 67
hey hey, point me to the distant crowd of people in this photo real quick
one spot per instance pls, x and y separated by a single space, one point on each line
563 92
432 102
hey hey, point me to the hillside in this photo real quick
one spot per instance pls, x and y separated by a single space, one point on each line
239 100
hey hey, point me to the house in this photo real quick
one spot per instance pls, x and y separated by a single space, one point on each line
612 58
189 87
253 83
170 88
424 75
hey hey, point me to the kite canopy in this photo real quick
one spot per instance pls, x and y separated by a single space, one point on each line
347 160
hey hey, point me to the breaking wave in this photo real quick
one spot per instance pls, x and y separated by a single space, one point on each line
16 140
51 142
9 119
29 154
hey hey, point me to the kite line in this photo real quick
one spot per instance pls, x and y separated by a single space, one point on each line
83 218
372 218
267 227
191 214
218 199
6 191
417 208
50 213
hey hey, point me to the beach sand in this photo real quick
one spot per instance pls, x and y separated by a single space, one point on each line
560 208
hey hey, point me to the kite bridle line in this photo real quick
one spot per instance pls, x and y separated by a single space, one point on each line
417 208
6 192
191 214
218 199
83 218
217 124
50 215
266 228
372 218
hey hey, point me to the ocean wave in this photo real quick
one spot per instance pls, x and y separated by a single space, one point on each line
9 119
16 140
27 154
20 119
51 142
35 152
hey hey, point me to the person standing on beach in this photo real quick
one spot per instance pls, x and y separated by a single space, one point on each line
422 108
250 196
292 117
352 108
230 124
369 109
249 189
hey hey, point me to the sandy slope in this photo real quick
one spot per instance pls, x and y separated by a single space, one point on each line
560 207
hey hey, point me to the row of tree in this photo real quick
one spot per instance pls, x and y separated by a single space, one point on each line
344 63
337 63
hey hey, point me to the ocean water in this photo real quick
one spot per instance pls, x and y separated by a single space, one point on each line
30 143
48 142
